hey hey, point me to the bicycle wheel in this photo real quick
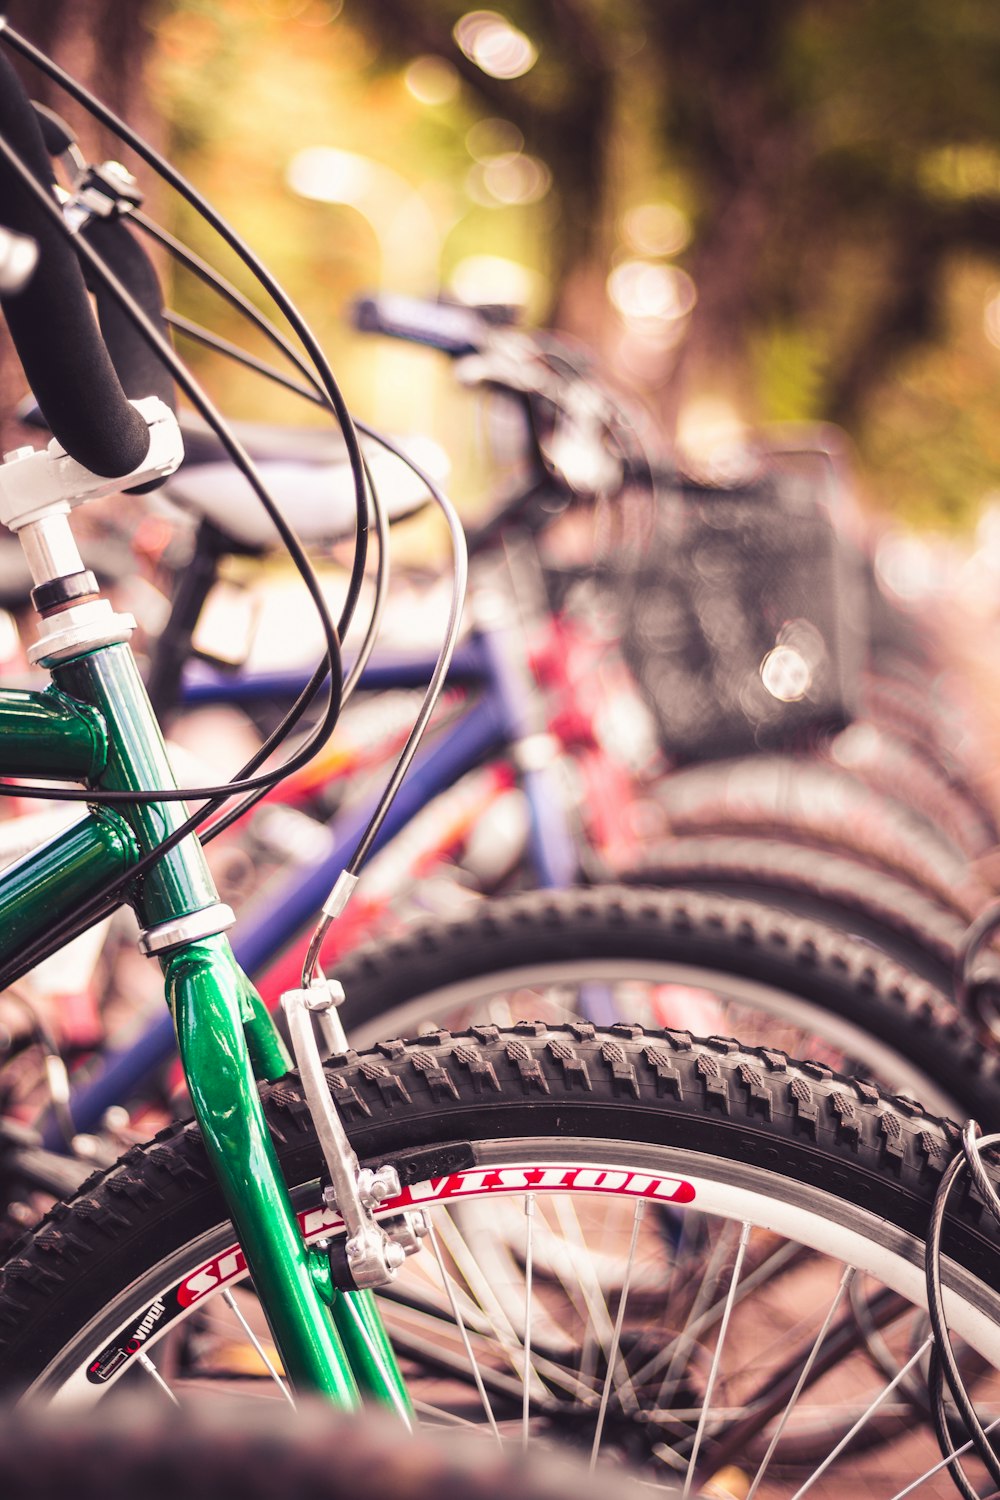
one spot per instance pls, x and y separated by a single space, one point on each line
683 1221
805 801
677 958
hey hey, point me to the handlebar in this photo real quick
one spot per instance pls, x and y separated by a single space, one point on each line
65 358
575 429
446 326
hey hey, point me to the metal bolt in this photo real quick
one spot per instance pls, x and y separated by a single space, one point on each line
325 996
394 1256
117 172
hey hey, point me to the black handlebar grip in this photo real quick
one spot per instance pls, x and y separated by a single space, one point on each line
139 367
55 132
57 338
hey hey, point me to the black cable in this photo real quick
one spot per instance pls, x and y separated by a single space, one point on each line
242 782
240 248
433 690
233 814
939 1418
105 900
935 1307
204 336
186 257
225 289
217 796
234 352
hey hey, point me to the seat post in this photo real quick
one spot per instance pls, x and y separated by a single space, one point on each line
193 585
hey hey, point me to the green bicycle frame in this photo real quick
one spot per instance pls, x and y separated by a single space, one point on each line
95 725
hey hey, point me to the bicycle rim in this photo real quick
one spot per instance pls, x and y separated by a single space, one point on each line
591 1271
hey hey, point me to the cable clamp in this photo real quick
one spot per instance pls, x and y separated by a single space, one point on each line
342 892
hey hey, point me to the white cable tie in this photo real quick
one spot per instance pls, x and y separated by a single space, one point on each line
342 892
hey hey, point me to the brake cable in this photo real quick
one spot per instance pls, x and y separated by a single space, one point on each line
944 1366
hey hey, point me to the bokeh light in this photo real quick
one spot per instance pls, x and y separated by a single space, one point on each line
493 137
991 316
786 674
494 45
510 179
494 279
656 229
644 291
431 80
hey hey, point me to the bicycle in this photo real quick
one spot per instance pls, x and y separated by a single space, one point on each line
569 1120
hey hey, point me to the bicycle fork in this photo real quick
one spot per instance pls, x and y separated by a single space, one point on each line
330 1340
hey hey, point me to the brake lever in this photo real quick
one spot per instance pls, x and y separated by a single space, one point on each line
575 451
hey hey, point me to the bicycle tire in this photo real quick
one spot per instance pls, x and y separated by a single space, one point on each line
707 1128
806 802
254 1451
881 759
910 925
933 727
769 968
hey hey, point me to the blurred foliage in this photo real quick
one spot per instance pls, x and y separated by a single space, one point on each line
837 166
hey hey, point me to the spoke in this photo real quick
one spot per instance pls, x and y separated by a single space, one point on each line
423 1346
616 1336
597 1324
150 1369
695 1317
529 1222
440 1414
585 1261
465 1260
494 1237
943 1463
476 1372
913 1360
426 1329
716 1358
845 1281
282 1385
694 1329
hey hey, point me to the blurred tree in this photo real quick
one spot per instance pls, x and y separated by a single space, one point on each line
831 173
835 160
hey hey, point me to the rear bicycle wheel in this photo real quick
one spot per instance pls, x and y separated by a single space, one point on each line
640 1243
809 802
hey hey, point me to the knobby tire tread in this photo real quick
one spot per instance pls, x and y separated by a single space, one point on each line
721 934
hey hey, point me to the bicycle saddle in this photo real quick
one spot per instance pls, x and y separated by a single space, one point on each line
316 494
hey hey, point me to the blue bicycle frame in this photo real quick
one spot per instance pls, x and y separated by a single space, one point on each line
501 720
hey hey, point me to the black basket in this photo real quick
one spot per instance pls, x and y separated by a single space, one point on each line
744 621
